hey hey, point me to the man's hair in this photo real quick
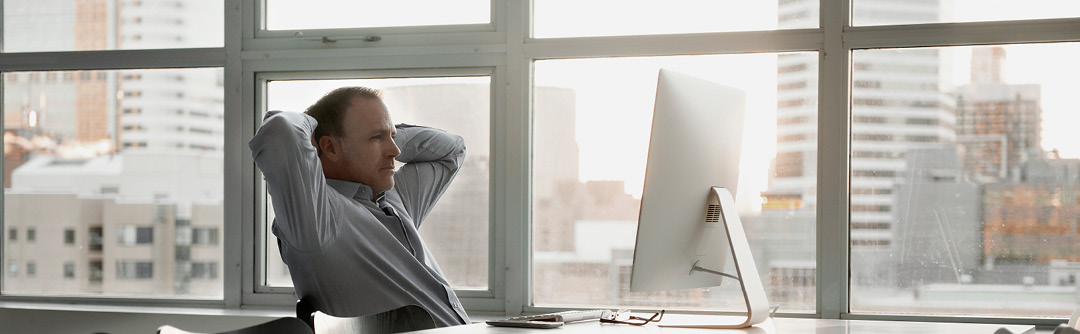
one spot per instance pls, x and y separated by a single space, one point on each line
329 110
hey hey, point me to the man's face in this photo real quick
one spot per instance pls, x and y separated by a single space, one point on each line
367 145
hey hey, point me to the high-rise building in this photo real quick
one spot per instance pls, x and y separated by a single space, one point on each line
998 124
896 106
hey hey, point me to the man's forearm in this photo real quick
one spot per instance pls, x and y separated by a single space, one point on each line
283 151
424 144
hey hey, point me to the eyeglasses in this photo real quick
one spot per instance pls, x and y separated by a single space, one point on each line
624 317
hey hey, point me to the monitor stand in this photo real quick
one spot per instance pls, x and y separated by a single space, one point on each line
757 304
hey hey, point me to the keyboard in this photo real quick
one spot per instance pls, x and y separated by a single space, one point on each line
565 316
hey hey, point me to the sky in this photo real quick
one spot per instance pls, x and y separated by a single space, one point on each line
626 85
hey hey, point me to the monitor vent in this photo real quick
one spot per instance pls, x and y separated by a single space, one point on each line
713 214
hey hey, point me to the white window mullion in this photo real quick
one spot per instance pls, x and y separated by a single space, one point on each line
512 198
833 146
112 59
956 34
237 238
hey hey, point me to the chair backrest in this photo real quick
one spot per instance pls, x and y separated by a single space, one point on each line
287 325
305 310
404 319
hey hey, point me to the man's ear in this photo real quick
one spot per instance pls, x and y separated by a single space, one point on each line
330 148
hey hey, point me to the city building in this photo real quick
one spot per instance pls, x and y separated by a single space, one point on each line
896 106
998 124
131 224
941 207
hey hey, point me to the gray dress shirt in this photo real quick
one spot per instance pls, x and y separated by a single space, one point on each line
352 252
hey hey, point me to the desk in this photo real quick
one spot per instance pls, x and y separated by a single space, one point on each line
775 325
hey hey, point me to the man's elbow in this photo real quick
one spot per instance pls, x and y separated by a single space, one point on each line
459 145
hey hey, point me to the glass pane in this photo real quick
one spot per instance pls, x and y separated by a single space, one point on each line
570 18
327 14
85 25
592 120
133 157
885 12
964 181
456 231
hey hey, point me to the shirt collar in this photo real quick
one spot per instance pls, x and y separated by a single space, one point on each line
358 191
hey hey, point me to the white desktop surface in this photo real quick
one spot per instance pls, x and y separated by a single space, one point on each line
775 325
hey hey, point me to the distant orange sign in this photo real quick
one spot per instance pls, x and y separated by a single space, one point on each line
782 204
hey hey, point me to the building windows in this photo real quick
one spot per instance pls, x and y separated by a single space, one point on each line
204 270
31 234
204 236
134 270
69 270
69 236
13 234
96 271
96 238
135 235
12 268
792 120
31 269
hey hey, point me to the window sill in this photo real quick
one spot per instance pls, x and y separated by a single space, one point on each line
41 317
172 310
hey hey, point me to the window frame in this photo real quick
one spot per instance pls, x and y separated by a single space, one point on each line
280 71
506 46
121 60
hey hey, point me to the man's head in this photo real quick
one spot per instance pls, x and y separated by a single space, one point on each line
355 137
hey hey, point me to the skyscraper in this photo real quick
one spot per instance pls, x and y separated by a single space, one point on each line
998 124
896 106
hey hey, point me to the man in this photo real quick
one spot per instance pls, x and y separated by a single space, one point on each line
346 221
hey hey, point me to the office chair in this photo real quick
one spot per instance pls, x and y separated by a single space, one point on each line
278 326
404 319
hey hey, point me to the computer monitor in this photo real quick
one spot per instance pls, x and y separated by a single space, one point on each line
689 233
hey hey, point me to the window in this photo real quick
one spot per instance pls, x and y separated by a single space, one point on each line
76 130
96 242
31 269
973 208
204 236
32 26
13 268
879 12
591 126
204 270
867 94
458 233
324 14
13 234
67 115
134 270
96 272
135 235
568 18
